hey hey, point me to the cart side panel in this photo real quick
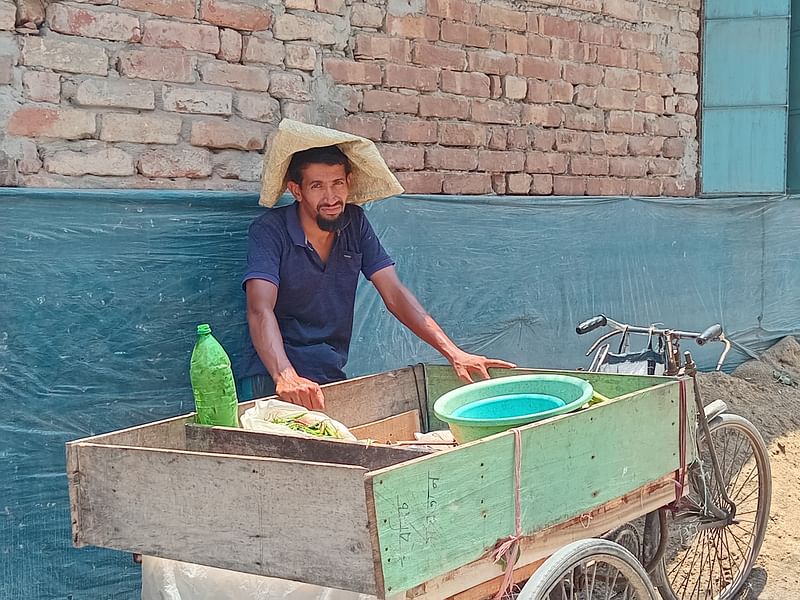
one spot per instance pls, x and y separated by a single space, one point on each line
441 379
290 519
448 509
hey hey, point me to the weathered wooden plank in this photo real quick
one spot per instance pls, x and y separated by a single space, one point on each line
441 379
225 440
447 509
296 520
393 429
483 577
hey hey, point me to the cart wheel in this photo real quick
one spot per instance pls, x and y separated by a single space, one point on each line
709 557
590 569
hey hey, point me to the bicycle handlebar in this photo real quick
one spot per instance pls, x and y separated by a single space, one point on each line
591 324
710 335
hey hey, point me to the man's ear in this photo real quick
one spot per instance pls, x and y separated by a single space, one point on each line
294 189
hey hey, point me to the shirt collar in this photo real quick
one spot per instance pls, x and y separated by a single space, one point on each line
296 229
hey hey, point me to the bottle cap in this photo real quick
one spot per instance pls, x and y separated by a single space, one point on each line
203 329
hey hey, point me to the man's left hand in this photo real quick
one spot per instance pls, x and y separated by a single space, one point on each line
468 366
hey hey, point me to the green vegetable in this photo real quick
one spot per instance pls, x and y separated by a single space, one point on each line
301 422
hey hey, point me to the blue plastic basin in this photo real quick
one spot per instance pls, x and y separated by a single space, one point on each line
488 407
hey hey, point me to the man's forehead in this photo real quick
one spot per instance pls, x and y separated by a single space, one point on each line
321 171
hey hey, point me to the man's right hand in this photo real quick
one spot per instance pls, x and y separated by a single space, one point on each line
290 387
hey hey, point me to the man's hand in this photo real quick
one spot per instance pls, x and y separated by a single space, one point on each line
467 366
290 387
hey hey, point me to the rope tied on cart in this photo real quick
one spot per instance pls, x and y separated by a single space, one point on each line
508 549
680 478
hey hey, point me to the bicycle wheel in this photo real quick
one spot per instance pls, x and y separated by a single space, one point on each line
709 557
590 569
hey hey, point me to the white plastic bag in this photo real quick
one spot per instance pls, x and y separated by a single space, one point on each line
260 417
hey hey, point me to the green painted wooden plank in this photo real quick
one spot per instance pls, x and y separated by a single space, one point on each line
441 379
443 511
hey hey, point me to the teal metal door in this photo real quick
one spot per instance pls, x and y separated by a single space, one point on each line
745 96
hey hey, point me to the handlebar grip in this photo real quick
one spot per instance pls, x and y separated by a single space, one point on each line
710 334
591 324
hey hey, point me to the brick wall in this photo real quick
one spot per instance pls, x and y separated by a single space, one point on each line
564 97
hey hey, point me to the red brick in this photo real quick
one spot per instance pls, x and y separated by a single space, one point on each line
689 21
230 45
233 164
464 35
103 161
496 16
104 25
189 163
627 166
569 186
651 62
383 48
663 166
518 138
56 53
331 7
586 74
546 162
438 56
490 61
538 92
491 111
289 86
410 130
463 134
542 185
348 71
686 105
498 183
168 8
500 162
588 165
560 28
515 43
626 10
117 92
143 129
598 34
498 138
674 148
455 10
519 183
66 123
644 187
257 107
451 159
585 96
657 84
679 187
624 122
445 107
660 15
403 158
538 45
244 17
413 78
465 84
638 40
383 101
689 63
615 99
605 186
645 146
226 134
42 86
413 27
609 143
417 182
301 57
366 15
572 141
616 57
584 119
349 97
573 51
467 183
302 27
515 88
263 50
622 79
538 68
650 103
158 65
545 116
685 83
199 101
176 34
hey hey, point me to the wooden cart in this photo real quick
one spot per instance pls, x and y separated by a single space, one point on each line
382 519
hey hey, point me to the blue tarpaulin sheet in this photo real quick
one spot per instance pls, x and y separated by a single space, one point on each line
102 290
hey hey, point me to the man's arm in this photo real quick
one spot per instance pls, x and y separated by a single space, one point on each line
407 309
268 341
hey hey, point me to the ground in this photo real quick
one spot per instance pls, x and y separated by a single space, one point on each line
767 392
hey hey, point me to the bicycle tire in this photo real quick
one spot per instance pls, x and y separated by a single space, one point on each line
591 553
720 540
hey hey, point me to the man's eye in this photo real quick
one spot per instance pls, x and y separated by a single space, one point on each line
315 186
339 183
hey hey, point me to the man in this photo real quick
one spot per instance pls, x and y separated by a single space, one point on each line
303 265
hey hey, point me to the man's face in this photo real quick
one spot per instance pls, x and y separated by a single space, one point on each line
322 194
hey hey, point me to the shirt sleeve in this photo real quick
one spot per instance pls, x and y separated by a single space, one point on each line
373 256
264 249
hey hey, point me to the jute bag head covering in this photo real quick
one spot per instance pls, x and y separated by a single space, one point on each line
370 180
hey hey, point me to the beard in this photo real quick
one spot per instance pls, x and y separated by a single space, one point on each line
331 224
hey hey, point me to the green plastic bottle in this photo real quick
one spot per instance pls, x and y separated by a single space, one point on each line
212 382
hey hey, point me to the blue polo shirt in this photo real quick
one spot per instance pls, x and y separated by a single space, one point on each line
315 300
